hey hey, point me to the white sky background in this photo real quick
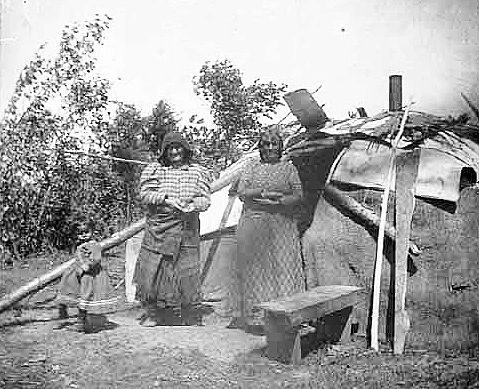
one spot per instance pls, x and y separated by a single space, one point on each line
154 48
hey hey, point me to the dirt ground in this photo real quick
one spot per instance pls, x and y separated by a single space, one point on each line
37 350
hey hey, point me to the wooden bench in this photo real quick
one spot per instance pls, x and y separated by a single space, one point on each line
328 307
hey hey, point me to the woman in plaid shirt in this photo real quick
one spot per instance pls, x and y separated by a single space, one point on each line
174 191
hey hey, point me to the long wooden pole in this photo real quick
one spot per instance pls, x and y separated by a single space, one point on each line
367 218
471 105
233 171
42 281
230 175
106 157
406 173
217 240
374 336
226 178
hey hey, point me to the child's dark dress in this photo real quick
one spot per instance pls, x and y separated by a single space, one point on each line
86 284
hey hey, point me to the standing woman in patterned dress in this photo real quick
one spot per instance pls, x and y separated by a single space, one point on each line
167 272
268 263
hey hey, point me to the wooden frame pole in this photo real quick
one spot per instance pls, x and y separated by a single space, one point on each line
406 173
374 335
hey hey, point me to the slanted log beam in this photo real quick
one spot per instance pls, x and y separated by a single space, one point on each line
41 282
365 216
44 280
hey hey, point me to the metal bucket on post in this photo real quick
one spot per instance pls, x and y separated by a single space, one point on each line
306 109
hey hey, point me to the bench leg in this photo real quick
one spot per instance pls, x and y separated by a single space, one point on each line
346 332
335 327
284 341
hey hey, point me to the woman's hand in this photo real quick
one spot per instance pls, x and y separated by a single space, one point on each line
85 267
277 197
187 204
290 200
272 195
187 208
174 203
184 205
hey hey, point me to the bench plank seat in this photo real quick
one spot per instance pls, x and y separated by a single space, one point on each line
284 317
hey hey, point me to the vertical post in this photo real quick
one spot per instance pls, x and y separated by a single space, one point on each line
406 173
382 226
132 251
395 93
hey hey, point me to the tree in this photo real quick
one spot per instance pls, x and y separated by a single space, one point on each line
161 121
57 104
237 109
209 151
125 135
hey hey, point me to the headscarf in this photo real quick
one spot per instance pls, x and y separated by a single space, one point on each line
174 138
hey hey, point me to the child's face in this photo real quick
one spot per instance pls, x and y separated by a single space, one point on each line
84 233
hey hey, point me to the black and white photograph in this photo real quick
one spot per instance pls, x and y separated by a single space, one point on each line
243 194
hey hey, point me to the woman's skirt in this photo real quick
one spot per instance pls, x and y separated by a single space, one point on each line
172 278
268 263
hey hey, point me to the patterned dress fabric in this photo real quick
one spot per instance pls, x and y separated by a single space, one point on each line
268 264
167 269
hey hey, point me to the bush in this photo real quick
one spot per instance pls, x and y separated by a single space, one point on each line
48 196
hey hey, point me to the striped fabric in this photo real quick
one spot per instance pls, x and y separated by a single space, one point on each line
86 284
191 181
100 306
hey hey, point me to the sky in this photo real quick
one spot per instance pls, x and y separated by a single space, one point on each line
154 48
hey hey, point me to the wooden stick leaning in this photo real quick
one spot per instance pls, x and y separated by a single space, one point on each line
374 335
217 239
367 218
471 105
42 281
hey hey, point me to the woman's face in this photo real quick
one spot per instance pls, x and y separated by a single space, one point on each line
270 149
175 154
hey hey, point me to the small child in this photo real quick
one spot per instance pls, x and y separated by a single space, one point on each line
86 285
